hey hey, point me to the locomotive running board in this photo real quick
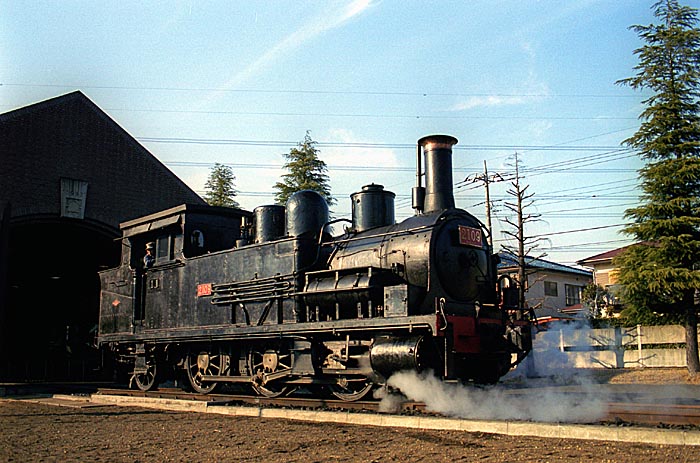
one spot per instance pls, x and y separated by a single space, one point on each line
232 332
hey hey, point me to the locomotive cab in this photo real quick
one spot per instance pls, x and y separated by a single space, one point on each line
134 289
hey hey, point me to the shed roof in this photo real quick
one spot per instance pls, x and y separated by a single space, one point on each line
70 137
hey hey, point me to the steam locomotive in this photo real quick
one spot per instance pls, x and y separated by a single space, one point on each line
273 301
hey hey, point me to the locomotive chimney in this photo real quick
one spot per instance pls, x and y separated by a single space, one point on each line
437 150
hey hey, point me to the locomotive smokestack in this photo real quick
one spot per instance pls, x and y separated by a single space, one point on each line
438 172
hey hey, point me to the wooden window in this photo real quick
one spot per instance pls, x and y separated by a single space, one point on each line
164 249
573 294
550 288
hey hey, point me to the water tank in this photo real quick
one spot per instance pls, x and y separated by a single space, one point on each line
269 223
307 213
372 207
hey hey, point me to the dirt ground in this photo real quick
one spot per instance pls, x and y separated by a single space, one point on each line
644 376
43 433
616 376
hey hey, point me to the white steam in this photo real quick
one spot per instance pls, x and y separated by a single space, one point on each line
548 366
493 403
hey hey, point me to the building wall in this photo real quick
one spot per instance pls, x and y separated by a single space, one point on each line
580 347
605 274
536 292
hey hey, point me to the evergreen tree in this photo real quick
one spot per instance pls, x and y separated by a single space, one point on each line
220 188
306 172
662 272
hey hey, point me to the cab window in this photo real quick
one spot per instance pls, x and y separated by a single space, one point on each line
164 249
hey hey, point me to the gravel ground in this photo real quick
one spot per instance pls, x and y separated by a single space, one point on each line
36 432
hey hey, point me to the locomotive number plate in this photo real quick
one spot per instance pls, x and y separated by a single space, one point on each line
204 290
469 236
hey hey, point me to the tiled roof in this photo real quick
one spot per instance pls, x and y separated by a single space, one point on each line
609 255
509 261
70 137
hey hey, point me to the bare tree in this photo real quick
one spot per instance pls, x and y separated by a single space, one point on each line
524 244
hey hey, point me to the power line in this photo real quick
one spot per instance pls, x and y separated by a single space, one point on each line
412 146
595 186
584 208
570 231
614 155
375 116
583 229
316 92
586 245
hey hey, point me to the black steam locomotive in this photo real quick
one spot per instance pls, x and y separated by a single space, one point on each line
272 300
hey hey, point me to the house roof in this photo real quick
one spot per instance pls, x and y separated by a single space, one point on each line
509 261
606 256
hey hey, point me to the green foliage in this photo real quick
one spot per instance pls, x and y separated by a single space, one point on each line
633 315
594 294
661 273
597 299
220 188
306 172
669 66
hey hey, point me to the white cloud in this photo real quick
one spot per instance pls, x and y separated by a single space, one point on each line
356 156
540 130
481 101
327 20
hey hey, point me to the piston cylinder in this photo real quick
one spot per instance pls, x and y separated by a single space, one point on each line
390 354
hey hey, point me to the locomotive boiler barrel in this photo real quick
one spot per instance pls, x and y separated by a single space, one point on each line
389 355
433 253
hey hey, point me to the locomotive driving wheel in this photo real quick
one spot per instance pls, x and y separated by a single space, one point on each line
203 363
351 389
147 381
268 368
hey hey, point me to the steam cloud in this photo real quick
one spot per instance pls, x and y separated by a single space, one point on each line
582 404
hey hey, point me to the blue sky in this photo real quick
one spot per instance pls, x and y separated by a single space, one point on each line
199 82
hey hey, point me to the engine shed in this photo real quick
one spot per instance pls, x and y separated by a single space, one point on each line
70 176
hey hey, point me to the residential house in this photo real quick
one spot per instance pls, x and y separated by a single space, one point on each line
605 275
553 290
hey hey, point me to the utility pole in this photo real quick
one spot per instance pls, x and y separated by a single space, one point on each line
487 181
488 205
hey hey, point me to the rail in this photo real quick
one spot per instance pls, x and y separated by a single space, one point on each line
618 413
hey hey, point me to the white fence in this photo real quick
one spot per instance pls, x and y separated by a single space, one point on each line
640 346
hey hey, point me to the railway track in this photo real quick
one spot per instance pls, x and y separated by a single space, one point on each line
618 413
